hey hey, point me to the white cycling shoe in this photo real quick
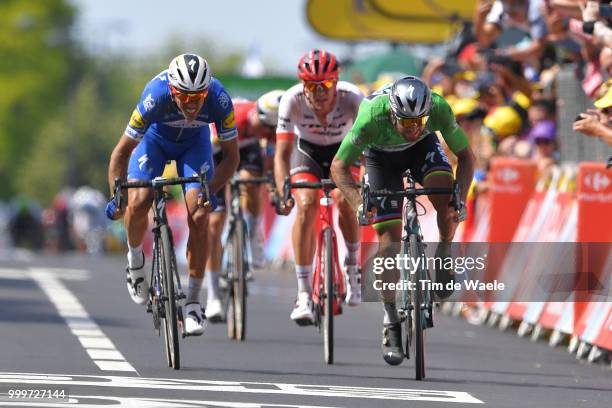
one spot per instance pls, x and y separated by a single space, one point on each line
195 320
137 285
353 285
214 310
302 312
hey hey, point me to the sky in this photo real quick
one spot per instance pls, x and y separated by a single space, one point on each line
278 28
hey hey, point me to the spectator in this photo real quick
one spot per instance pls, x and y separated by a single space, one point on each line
543 147
596 122
542 110
492 19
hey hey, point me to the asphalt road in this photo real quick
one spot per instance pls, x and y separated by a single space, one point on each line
67 323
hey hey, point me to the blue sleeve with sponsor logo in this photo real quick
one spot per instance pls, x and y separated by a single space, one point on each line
153 97
222 111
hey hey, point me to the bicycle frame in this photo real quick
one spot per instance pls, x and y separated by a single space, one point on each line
160 218
326 213
326 218
165 289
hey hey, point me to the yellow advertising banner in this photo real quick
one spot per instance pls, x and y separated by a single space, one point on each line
410 21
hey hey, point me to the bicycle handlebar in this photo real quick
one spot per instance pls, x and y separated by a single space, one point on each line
158 183
409 192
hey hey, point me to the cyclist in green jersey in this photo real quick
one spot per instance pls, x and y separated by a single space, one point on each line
395 130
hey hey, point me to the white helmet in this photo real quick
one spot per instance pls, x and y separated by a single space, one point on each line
267 107
410 97
189 73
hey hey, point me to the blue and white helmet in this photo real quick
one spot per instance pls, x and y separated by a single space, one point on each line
189 73
410 97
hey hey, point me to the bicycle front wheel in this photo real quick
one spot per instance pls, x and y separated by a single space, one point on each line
238 309
328 297
168 265
416 340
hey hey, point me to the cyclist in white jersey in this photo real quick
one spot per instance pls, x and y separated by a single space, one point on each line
313 118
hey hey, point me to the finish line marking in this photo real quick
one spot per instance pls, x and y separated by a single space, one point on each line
96 401
240 387
98 346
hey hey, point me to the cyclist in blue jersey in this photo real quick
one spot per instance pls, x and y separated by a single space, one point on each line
171 122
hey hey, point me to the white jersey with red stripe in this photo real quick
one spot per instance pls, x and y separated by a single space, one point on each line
296 117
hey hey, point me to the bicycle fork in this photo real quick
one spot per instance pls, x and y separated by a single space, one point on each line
326 219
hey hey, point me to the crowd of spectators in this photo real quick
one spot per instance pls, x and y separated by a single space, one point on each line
501 78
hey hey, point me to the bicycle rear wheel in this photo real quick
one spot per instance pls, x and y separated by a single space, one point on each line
328 297
168 265
417 323
239 281
236 311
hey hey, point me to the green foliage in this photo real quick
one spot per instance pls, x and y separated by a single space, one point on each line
37 62
62 111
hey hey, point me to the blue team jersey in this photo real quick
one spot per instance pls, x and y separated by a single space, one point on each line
157 115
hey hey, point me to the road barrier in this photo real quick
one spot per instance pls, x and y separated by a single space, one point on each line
562 235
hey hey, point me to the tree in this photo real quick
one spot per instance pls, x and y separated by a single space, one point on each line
39 60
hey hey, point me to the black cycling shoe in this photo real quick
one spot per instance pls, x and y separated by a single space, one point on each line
444 275
392 349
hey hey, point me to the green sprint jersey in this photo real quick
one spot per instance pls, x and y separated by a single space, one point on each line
373 127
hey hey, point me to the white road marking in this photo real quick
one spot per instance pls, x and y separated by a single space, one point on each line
90 335
95 401
67 273
242 387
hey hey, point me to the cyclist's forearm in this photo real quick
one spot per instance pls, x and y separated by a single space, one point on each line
341 174
119 160
224 171
282 157
465 171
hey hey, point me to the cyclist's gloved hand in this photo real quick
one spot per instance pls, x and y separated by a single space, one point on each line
285 207
461 213
211 204
366 218
112 212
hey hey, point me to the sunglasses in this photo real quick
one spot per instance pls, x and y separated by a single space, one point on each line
313 86
186 97
412 122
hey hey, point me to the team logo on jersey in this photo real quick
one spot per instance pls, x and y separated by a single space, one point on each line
148 103
136 120
230 121
224 100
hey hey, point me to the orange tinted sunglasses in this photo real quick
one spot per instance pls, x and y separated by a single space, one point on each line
186 97
412 122
313 86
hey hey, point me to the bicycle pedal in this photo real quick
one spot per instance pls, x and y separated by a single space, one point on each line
304 322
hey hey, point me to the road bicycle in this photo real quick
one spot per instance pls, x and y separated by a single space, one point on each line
165 291
415 300
236 267
327 283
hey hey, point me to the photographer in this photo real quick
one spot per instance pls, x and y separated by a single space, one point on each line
596 122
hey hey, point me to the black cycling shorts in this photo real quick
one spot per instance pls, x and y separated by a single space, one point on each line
311 158
250 159
384 170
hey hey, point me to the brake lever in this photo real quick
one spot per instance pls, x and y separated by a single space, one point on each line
365 195
117 193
